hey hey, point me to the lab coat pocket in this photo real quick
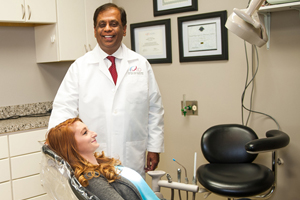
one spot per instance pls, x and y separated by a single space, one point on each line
138 90
135 155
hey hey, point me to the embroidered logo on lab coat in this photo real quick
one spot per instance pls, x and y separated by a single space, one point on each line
134 70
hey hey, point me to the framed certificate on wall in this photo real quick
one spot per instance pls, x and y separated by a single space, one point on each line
166 7
152 40
203 37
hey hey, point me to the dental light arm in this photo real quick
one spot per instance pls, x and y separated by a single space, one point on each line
248 24
248 14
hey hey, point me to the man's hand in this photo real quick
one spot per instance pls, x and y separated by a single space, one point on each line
152 161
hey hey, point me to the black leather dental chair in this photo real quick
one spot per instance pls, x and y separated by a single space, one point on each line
58 178
230 150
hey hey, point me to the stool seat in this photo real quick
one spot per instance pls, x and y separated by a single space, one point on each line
235 180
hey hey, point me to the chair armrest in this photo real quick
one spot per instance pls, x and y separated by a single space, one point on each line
275 140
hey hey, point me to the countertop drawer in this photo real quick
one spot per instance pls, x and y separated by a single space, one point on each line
5 191
4 169
3 147
27 142
25 165
43 197
27 187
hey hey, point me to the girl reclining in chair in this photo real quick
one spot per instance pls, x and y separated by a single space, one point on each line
103 176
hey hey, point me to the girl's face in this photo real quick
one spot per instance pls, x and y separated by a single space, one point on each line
86 139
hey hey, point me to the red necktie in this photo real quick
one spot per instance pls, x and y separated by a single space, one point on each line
112 68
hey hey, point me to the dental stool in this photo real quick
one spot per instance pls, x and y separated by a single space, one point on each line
58 179
230 150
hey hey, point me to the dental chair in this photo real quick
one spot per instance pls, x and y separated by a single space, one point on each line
58 178
230 150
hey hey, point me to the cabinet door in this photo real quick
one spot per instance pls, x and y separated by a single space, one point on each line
5 191
71 29
29 11
4 169
27 142
64 41
27 187
3 147
43 197
40 11
46 43
25 165
73 34
12 11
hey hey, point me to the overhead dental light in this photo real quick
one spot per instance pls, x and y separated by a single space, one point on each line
248 24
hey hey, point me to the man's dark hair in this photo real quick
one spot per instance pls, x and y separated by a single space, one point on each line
106 7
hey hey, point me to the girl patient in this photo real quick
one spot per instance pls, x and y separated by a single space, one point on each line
103 176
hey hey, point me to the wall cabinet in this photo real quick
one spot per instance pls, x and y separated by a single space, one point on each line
73 34
28 11
20 159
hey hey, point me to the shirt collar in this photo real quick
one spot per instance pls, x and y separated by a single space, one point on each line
118 54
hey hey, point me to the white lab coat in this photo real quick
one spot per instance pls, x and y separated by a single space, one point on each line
128 117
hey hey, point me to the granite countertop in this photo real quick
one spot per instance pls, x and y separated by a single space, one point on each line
24 117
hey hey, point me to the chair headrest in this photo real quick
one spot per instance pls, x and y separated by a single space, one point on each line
48 151
63 169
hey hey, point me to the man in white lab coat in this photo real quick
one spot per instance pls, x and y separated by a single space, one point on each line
126 115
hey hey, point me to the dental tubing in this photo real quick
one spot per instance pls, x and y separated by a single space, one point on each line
195 167
186 178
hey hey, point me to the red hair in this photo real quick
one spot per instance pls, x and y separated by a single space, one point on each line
61 139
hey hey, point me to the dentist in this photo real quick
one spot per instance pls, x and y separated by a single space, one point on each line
116 96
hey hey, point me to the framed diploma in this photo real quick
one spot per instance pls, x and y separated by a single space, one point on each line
203 37
152 40
166 7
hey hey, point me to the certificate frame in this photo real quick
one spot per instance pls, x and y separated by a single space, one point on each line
203 37
166 7
152 40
